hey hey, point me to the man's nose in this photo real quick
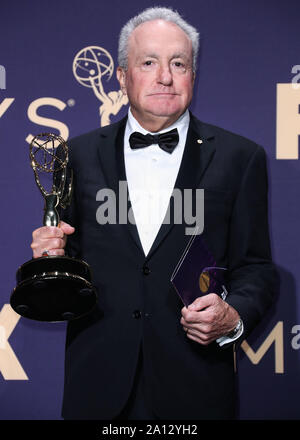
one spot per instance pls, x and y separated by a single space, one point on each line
164 75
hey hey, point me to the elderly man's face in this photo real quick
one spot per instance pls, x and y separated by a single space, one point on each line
159 79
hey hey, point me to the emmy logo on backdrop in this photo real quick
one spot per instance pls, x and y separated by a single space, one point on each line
90 66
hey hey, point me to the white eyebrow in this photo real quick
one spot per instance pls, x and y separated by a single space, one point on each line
154 55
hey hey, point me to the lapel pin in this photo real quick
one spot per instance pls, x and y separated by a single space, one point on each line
200 141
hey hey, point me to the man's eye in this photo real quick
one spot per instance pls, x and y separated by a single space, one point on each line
148 63
178 66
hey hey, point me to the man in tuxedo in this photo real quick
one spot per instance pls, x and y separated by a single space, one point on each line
139 354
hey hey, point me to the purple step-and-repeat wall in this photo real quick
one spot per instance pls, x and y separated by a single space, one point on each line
248 82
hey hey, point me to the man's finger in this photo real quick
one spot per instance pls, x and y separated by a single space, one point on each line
204 301
196 316
59 252
47 232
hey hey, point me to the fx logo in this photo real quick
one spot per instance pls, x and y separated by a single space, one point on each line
10 367
2 78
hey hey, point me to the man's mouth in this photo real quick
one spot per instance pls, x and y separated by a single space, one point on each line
162 94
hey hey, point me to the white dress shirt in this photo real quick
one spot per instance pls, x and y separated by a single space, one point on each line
151 174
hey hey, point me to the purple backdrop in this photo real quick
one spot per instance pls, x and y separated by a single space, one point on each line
247 48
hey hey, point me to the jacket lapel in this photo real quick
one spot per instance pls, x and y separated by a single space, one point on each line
199 151
111 155
108 152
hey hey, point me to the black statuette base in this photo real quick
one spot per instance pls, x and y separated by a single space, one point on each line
53 289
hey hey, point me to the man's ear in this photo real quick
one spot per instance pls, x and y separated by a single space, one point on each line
121 76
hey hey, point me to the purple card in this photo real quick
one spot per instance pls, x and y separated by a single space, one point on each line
197 274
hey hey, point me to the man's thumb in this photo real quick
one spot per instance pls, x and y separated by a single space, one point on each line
66 228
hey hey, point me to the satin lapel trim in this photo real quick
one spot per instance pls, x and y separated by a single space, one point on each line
108 153
198 153
111 156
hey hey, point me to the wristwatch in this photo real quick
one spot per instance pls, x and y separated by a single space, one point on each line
237 329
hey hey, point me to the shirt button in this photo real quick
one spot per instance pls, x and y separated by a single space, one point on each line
146 270
137 314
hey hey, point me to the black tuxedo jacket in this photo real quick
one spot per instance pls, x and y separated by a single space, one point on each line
137 306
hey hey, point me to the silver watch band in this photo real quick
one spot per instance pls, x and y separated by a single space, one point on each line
236 330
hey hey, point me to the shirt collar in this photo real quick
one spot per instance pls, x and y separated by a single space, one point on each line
181 124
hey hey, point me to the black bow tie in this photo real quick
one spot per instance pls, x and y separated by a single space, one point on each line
166 141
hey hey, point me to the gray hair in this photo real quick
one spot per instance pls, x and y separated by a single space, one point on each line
150 14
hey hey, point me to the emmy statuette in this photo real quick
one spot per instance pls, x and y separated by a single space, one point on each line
53 288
